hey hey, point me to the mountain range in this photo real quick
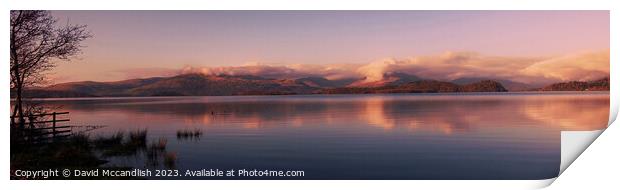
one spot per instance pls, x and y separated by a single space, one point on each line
226 85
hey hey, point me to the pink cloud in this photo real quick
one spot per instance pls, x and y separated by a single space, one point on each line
447 66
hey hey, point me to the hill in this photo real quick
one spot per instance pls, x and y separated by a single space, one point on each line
181 85
596 85
508 84
223 85
395 78
320 82
425 86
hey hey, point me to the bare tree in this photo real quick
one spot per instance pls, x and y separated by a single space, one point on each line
36 42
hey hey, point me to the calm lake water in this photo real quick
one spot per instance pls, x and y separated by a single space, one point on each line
399 136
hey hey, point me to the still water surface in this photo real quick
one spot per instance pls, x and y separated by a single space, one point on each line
400 136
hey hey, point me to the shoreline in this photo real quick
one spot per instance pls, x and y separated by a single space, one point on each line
330 95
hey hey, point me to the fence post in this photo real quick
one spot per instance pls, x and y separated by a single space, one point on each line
54 125
31 126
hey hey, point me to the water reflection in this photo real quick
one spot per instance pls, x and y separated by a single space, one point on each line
460 113
508 136
572 114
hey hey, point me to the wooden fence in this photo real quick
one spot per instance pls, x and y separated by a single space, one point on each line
42 127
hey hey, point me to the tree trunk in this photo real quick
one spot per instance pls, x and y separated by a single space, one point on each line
19 104
14 115
18 109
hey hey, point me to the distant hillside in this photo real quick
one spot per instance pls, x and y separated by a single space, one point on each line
320 82
395 78
181 85
597 85
202 85
508 84
90 88
426 86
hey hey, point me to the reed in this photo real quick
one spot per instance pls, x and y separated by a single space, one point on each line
185 134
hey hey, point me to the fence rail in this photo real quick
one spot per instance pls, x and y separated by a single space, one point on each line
43 114
45 129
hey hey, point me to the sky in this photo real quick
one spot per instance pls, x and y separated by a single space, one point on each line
524 46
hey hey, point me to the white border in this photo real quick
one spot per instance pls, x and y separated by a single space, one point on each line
611 138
